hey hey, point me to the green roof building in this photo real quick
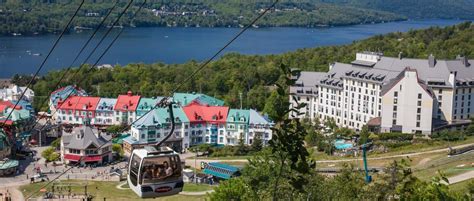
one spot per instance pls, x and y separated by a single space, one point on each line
184 99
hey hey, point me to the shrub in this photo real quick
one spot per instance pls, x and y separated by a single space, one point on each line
395 136
50 155
447 135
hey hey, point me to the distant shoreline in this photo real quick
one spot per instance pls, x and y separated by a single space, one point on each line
79 28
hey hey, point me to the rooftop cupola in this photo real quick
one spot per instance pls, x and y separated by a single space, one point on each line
431 61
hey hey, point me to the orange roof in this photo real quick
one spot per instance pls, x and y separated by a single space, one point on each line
79 103
197 112
127 102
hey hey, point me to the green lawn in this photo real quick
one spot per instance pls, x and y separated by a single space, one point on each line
461 186
108 190
448 165
190 187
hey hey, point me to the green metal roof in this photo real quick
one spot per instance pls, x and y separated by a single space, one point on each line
119 139
19 114
159 116
237 115
8 164
221 170
186 98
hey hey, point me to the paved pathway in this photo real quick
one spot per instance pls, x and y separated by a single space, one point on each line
190 162
196 193
461 177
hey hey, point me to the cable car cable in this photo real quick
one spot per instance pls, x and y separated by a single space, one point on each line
93 51
163 101
75 59
110 45
45 59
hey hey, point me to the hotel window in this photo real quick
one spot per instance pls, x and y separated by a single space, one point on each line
395 94
418 110
440 91
394 122
417 124
419 103
419 96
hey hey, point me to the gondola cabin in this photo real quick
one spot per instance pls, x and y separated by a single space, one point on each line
155 173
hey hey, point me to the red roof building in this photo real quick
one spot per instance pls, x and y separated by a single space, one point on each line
127 102
78 107
197 113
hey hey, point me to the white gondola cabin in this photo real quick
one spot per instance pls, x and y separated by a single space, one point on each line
155 173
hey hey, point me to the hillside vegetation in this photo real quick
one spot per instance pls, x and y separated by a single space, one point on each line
463 9
234 73
37 17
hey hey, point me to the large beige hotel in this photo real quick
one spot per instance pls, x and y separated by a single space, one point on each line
390 94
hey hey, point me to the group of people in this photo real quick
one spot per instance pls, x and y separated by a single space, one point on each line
156 171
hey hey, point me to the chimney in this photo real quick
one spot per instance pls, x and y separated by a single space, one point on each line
400 55
431 61
464 60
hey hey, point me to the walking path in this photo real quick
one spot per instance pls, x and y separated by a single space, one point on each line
191 162
196 193
461 177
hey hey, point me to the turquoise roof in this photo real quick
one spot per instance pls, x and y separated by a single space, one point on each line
160 115
186 98
221 170
148 103
8 164
3 140
18 114
236 115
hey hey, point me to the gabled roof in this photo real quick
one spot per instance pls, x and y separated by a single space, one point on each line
127 102
8 104
106 104
203 99
198 113
83 137
238 116
65 92
256 118
148 103
79 103
161 116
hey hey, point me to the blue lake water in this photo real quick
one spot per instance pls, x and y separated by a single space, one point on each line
178 45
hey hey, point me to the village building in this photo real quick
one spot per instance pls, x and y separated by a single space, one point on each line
86 145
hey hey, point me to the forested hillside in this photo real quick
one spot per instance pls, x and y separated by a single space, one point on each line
463 9
37 17
234 73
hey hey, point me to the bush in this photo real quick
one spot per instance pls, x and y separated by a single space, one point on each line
118 149
395 136
50 155
56 143
447 135
394 144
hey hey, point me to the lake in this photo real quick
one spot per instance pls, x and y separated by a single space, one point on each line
24 54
